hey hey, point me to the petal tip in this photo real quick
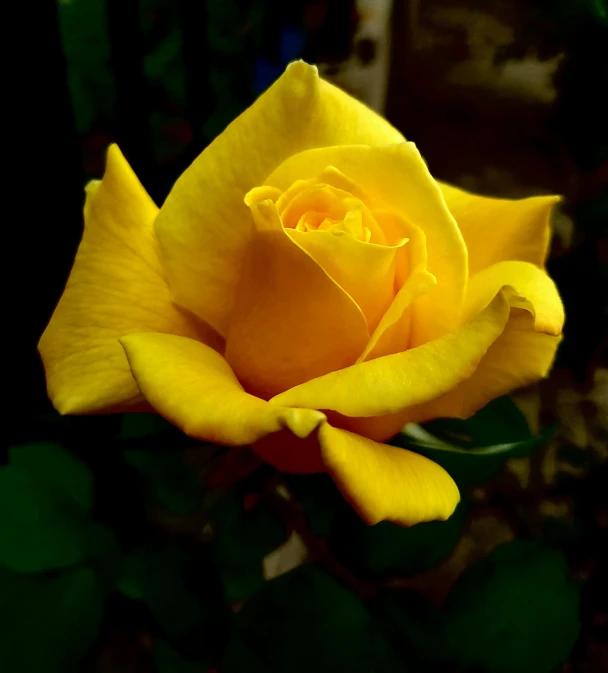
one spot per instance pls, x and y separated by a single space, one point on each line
302 422
302 70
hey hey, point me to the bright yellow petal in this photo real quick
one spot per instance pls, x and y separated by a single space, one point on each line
204 226
193 387
386 483
501 229
393 331
398 176
366 271
392 335
393 383
291 322
537 293
116 287
519 357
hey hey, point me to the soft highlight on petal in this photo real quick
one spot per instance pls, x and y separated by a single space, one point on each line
519 357
205 228
194 388
495 230
386 483
397 176
291 322
366 271
116 287
536 293
393 383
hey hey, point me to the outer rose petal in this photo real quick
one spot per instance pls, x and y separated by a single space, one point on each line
501 229
291 320
522 354
393 383
398 176
385 483
116 287
519 357
193 387
537 291
204 226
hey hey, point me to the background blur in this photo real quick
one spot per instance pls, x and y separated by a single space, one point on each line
505 99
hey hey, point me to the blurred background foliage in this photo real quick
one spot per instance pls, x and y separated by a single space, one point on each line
125 546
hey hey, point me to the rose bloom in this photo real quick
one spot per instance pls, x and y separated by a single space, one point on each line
307 288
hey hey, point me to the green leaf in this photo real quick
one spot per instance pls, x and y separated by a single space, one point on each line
305 621
48 623
319 498
184 595
514 611
167 660
67 476
474 450
390 549
46 496
499 422
246 529
35 534
142 425
174 484
412 622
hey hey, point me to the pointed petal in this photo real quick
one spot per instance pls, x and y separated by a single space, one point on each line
501 229
398 176
116 287
519 357
537 293
204 226
291 322
193 387
386 483
393 383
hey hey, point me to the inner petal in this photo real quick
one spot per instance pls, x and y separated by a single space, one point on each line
310 205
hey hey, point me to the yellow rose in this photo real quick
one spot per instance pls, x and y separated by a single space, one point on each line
306 288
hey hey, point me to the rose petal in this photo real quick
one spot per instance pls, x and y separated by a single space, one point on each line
501 229
193 387
397 175
291 322
366 271
386 483
204 226
520 356
116 287
537 293
393 383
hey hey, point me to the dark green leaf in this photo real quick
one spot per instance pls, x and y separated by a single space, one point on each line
142 425
46 495
36 531
246 530
412 622
513 611
499 422
241 580
474 450
184 594
65 475
305 621
390 549
48 623
319 498
167 660
174 484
